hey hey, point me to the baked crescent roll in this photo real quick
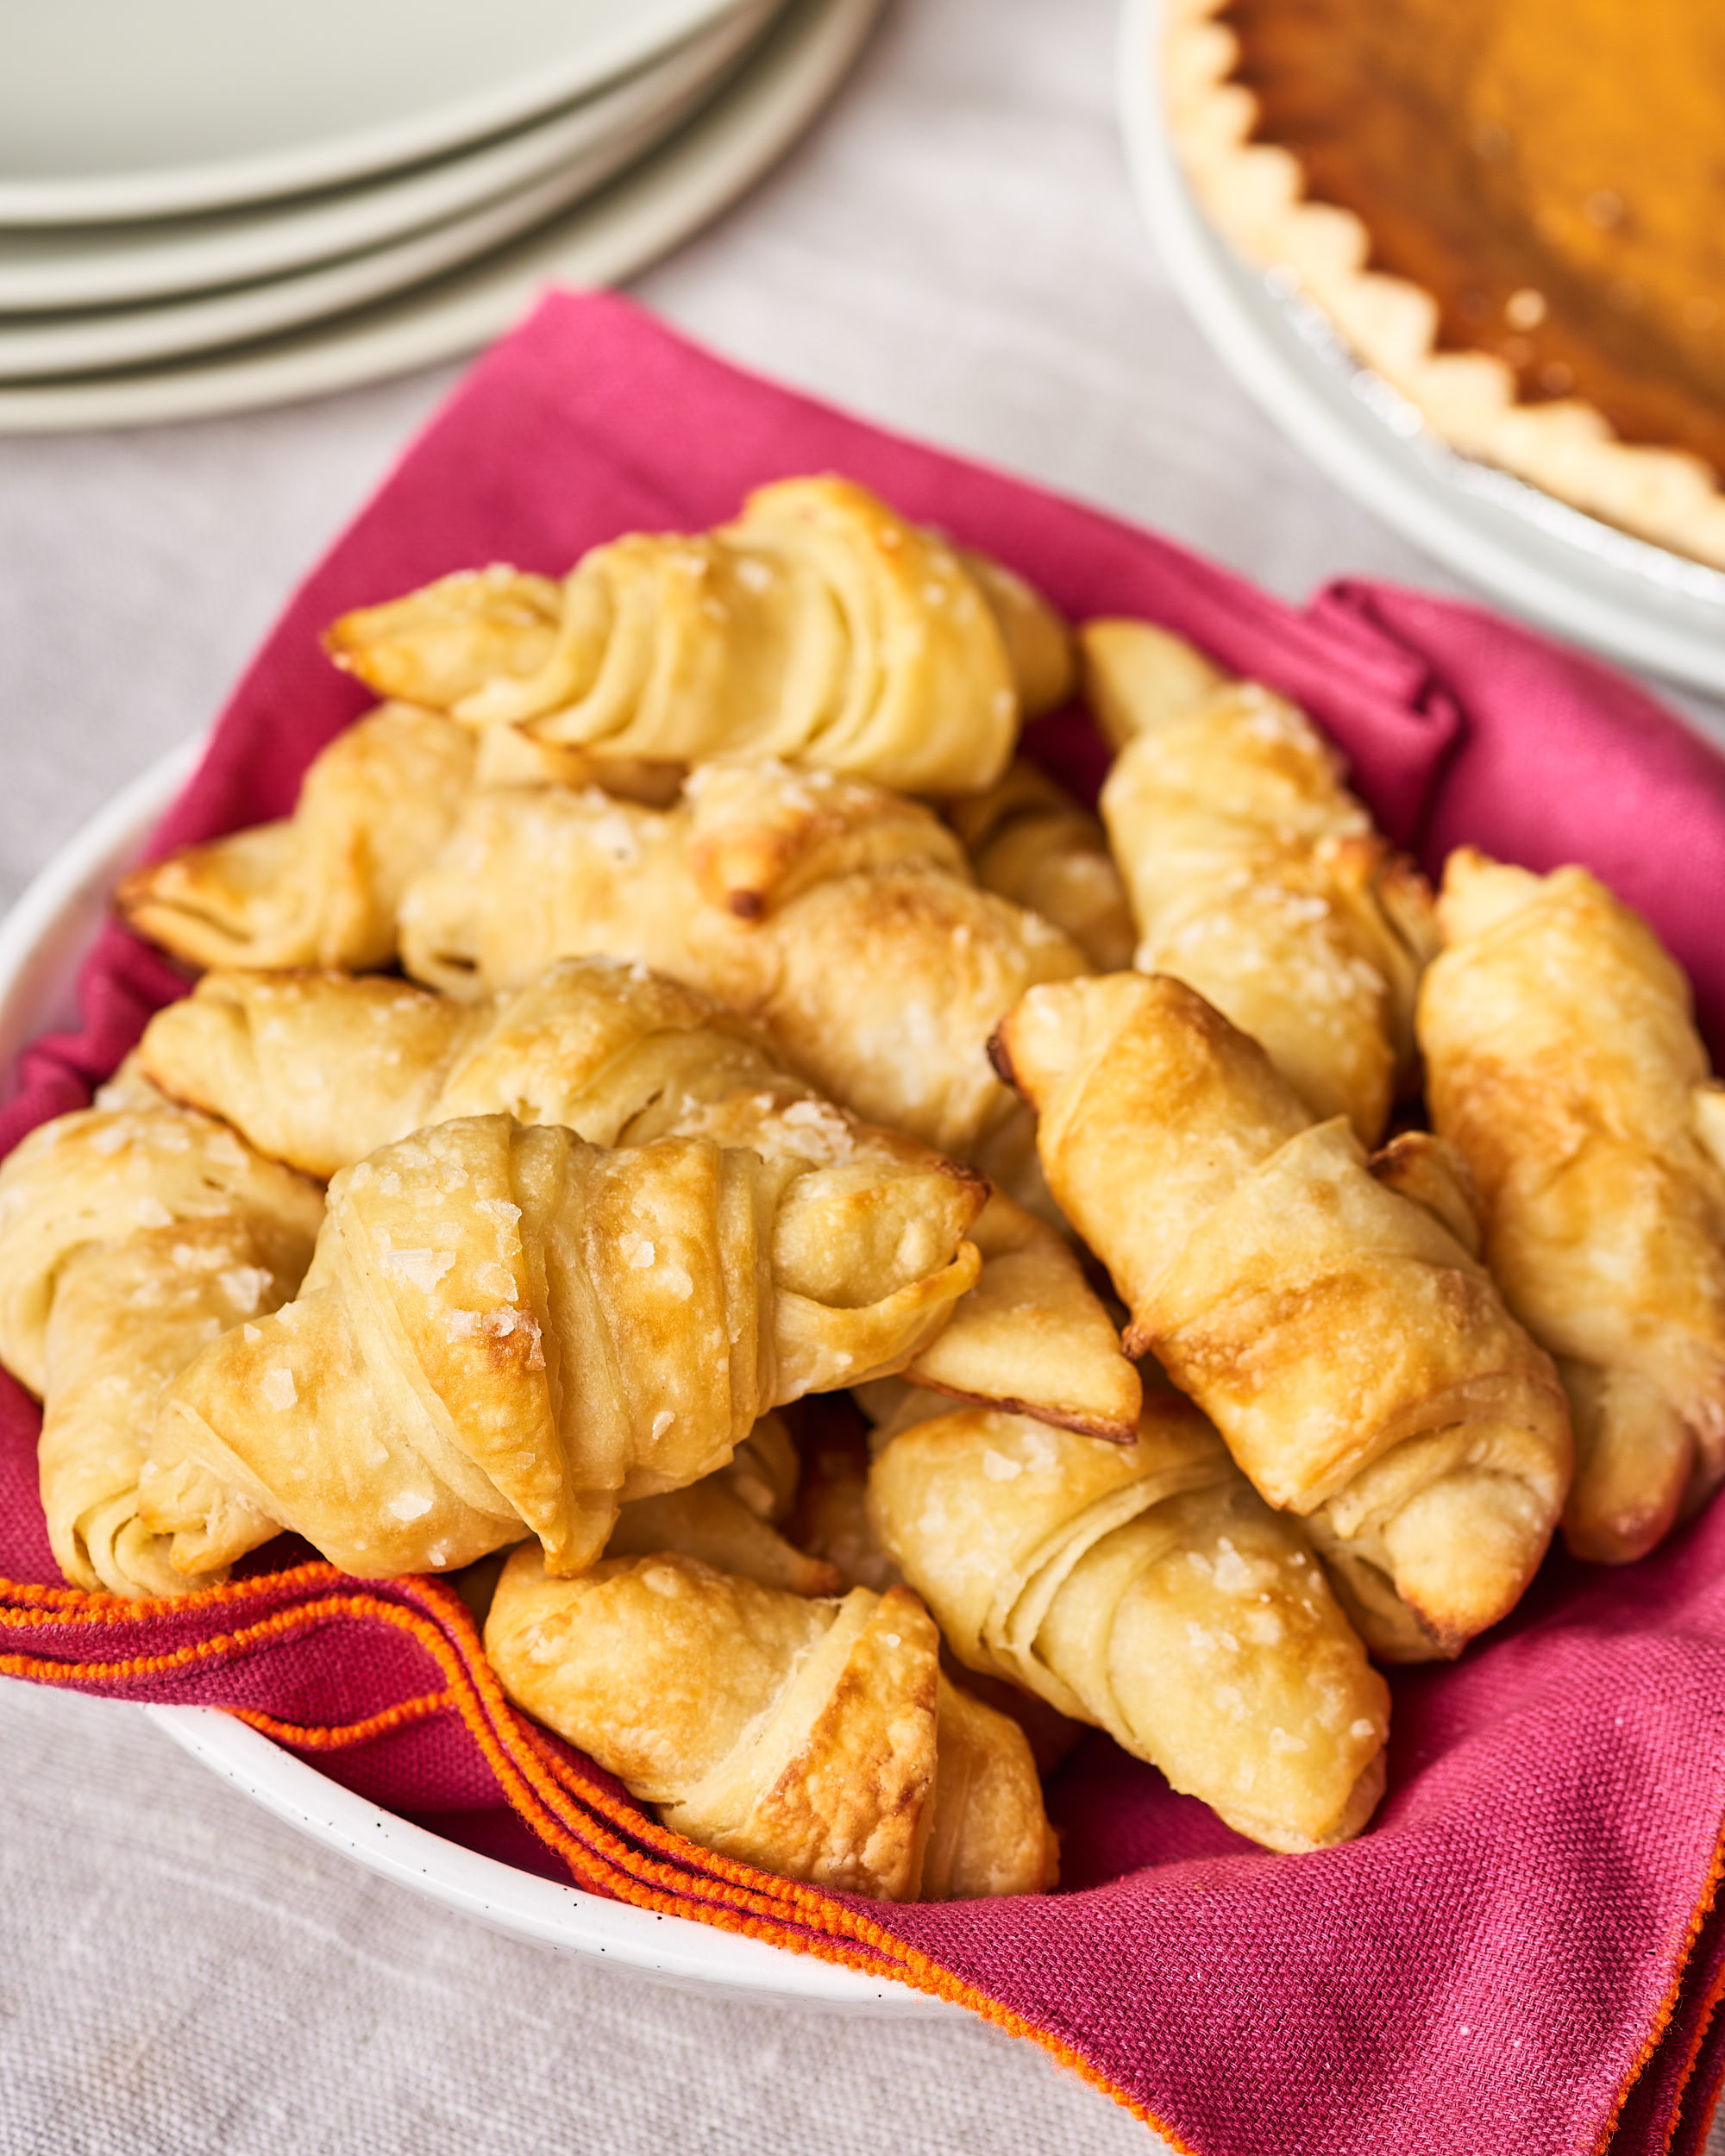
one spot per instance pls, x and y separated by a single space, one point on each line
816 1739
320 888
831 1521
1030 840
842 917
1564 1062
730 1518
1357 1359
129 1238
320 1070
819 626
504 1327
1146 1589
1254 876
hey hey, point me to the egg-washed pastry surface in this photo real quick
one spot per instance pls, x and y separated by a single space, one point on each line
1146 1589
130 1237
817 1738
1254 876
1030 840
732 1519
321 1069
505 1328
1562 1062
324 886
1357 1357
842 916
819 626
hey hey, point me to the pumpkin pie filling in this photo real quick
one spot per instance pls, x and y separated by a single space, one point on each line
1550 173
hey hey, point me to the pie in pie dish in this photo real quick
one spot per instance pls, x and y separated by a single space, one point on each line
1511 209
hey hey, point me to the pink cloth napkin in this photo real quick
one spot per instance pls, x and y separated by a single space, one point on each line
1521 1953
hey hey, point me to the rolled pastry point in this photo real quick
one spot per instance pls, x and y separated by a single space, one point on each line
1030 840
505 1328
731 1519
814 1738
317 1068
831 1520
842 919
1135 675
1147 1590
322 886
1033 1336
1254 874
1357 1359
321 1069
819 626
131 1236
1564 1065
1040 647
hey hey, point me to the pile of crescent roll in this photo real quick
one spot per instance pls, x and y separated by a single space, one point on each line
671 1021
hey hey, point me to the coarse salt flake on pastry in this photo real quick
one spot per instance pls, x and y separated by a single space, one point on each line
816 1739
1356 1355
1254 875
819 626
505 1329
1564 1063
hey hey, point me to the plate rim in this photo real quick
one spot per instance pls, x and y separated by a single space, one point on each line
1353 456
183 325
161 262
230 183
43 937
715 157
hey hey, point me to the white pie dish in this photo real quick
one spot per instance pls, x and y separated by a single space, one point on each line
1631 600
42 941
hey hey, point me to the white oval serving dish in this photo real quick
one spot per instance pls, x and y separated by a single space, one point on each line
1635 602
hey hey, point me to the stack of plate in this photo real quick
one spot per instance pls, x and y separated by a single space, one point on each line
205 207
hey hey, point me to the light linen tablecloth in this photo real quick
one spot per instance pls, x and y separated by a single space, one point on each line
952 251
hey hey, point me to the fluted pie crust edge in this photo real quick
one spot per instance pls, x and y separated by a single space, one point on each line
1254 193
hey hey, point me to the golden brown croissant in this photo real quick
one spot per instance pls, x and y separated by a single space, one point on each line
320 1070
505 1327
829 1521
1146 1589
1030 840
129 1237
322 886
1562 1062
841 916
816 1740
730 1518
819 627
1357 1359
1254 875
